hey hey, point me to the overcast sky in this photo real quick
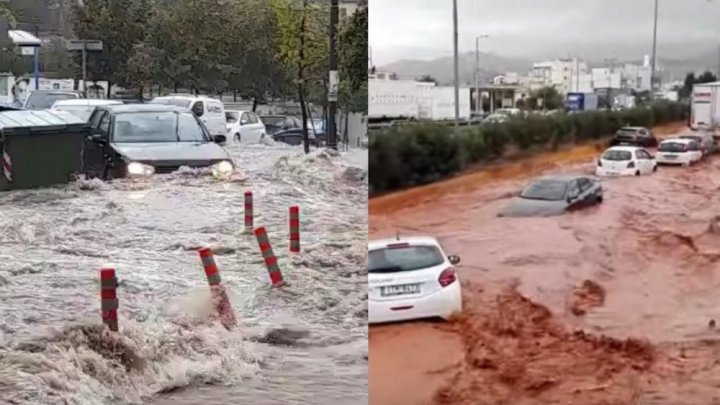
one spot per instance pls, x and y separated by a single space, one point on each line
533 29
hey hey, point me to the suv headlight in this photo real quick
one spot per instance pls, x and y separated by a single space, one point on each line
139 169
223 168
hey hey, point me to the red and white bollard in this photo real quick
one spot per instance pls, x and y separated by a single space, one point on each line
108 298
219 295
248 212
276 278
294 225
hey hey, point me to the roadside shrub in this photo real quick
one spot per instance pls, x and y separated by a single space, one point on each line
411 155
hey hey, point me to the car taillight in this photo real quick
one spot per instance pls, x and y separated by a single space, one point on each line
599 163
447 277
631 165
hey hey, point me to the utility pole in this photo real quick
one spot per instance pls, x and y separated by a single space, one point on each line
333 77
610 101
36 60
456 63
654 53
478 108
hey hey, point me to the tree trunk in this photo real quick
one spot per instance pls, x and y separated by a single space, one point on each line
109 89
255 104
301 79
346 138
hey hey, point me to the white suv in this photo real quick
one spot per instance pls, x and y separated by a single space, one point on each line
411 278
210 111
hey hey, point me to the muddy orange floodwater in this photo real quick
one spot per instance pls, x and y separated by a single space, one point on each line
616 304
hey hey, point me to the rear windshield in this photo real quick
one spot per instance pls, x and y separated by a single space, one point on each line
673 147
626 132
618 155
403 259
232 117
43 101
549 190
276 121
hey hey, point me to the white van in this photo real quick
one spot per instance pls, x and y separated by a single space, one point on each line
210 111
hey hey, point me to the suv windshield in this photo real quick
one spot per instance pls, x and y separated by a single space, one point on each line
43 101
550 190
618 155
163 126
403 259
673 147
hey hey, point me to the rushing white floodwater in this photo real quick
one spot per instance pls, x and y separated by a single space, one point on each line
303 343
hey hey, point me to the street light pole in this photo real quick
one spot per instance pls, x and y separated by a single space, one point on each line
654 51
477 73
333 96
456 63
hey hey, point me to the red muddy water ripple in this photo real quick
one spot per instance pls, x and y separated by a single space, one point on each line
616 304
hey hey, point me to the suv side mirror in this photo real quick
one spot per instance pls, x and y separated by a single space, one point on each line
454 259
219 138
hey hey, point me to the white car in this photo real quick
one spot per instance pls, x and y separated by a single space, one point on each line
411 278
625 161
244 126
82 107
210 111
678 151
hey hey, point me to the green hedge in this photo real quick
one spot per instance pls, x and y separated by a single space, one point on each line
416 154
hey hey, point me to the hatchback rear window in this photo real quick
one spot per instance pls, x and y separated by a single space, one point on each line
673 147
617 155
403 259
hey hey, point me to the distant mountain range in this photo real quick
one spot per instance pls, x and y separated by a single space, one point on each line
492 65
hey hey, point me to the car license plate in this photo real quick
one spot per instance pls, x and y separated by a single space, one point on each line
613 173
403 289
671 156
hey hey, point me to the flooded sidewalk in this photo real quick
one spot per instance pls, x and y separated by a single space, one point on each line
613 304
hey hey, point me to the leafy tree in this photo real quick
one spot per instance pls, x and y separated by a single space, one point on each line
120 25
691 79
353 50
548 98
6 11
302 47
55 60
139 68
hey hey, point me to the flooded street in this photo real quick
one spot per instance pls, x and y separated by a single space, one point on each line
304 342
615 304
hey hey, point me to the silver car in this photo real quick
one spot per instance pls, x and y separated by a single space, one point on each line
555 195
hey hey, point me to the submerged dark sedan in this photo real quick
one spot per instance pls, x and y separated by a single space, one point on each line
555 195
142 139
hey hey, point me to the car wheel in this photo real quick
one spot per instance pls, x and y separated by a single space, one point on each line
637 173
599 199
655 168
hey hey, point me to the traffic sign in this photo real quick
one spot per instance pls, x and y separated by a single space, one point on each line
90 45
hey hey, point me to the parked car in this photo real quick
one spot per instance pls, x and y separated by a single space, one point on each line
276 123
210 111
244 126
143 139
555 195
411 278
44 99
678 151
83 107
625 161
638 136
706 140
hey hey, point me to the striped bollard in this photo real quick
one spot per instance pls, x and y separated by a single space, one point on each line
108 298
248 212
7 166
294 223
219 295
276 278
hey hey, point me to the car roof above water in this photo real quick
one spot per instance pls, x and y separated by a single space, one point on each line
412 240
560 177
131 108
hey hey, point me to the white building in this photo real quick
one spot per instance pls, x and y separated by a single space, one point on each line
566 75
606 78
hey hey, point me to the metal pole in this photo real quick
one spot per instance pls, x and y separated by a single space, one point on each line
36 61
332 105
477 75
654 51
84 68
456 63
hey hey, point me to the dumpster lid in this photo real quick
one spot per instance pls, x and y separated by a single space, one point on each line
43 119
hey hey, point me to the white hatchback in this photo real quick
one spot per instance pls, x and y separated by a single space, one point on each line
411 278
244 126
625 161
678 151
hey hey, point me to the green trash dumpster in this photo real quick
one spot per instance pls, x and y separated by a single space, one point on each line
40 148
